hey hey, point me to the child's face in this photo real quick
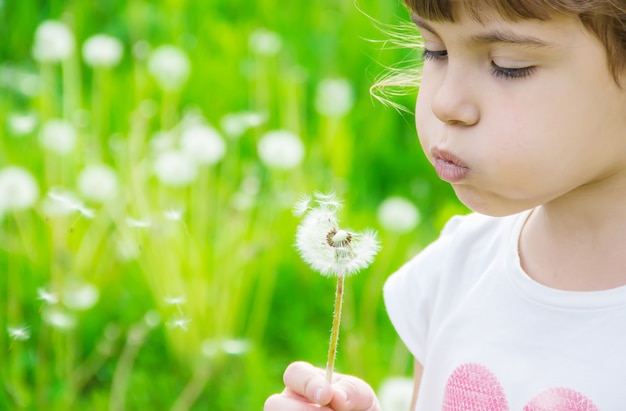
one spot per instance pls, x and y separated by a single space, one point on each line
518 114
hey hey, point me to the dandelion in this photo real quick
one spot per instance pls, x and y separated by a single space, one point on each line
235 124
395 393
58 136
203 144
135 223
334 97
281 149
54 42
98 183
173 214
48 297
264 42
176 300
332 251
80 296
59 318
170 67
21 124
102 50
398 215
174 169
18 189
181 321
21 333
236 346
65 202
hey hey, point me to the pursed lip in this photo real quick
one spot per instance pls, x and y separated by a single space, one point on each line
448 166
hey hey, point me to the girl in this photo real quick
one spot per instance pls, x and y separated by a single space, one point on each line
522 304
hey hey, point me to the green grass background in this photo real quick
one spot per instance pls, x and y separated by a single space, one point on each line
238 270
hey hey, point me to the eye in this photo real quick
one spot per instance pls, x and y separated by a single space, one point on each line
511 73
436 55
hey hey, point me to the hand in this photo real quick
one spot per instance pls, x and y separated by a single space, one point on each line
306 389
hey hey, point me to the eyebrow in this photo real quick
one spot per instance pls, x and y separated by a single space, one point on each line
492 37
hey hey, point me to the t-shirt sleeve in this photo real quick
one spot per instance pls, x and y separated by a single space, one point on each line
411 292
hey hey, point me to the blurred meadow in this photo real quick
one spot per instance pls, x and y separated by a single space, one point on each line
151 153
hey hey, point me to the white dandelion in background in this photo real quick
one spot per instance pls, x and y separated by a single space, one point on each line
334 97
54 42
59 318
18 189
138 223
398 215
212 347
203 144
21 124
173 214
264 42
98 183
332 251
395 394
281 149
170 67
174 169
235 125
102 50
80 296
58 136
176 300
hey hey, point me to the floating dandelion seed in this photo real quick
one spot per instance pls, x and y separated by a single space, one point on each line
181 322
64 203
173 214
47 297
134 223
175 300
332 251
398 215
21 333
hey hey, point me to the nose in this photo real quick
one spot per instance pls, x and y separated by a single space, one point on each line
453 101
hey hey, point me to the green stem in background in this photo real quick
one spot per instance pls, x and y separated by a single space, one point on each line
334 333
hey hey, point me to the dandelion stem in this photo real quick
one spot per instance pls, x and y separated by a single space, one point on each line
334 333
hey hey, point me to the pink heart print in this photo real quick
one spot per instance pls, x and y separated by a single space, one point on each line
472 387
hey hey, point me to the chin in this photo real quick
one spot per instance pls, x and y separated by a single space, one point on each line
489 204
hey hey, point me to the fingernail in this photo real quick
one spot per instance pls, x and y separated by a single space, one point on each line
342 393
317 396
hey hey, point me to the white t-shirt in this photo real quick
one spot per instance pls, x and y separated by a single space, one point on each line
490 338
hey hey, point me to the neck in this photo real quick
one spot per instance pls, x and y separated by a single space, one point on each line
577 242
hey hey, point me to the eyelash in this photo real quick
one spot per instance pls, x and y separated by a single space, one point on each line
497 71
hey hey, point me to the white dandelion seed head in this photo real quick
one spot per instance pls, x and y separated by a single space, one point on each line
102 50
235 125
203 144
162 141
173 214
58 136
80 296
18 333
281 149
152 318
236 346
326 247
47 297
18 189
395 393
334 97
398 215
174 169
170 67
98 183
21 124
54 42
264 42
59 318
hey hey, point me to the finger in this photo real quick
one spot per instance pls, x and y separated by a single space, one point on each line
308 381
282 402
353 394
